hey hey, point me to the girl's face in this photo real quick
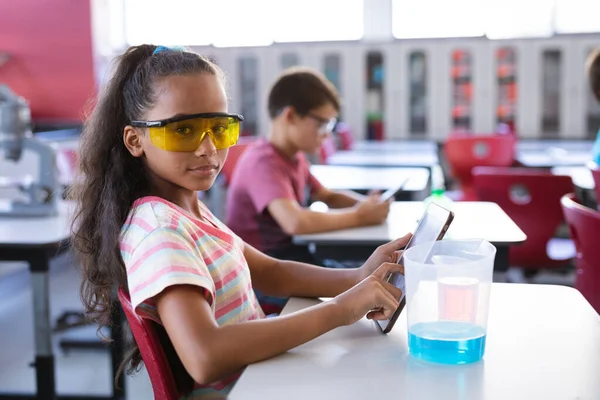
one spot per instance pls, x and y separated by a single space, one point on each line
175 96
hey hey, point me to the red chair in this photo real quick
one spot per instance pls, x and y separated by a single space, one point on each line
345 136
233 156
595 168
464 152
159 369
328 148
584 225
531 198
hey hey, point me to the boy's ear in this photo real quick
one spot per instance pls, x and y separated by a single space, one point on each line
289 115
132 138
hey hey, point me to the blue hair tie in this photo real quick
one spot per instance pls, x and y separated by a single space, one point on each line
160 49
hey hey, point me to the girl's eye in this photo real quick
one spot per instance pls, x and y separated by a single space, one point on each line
219 129
184 130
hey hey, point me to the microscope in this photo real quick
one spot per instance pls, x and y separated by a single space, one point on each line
40 193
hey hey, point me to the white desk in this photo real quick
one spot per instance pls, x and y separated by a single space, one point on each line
395 146
36 241
545 145
581 176
543 343
553 157
338 177
473 219
425 159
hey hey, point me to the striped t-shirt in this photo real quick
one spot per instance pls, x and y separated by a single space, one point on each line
164 245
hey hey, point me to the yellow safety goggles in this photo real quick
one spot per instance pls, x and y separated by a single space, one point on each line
185 133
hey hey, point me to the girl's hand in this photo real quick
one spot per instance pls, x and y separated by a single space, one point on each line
373 296
386 253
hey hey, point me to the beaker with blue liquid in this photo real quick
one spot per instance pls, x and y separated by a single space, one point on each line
448 286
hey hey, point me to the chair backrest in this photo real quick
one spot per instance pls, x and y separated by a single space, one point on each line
155 359
345 136
584 225
464 152
595 168
233 157
328 148
532 199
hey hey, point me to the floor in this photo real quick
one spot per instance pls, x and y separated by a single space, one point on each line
78 371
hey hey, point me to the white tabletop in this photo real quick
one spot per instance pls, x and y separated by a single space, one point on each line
581 176
474 219
42 231
395 146
545 145
386 159
338 177
553 157
543 343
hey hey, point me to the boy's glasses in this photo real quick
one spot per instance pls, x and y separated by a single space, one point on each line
325 125
185 133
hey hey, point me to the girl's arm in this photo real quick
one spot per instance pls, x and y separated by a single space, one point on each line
210 352
282 278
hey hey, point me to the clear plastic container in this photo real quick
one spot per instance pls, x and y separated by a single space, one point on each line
447 299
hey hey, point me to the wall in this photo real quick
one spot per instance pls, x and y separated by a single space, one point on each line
51 64
573 105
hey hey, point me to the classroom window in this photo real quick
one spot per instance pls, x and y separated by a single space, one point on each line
517 18
374 95
436 18
469 18
462 89
169 23
317 20
551 82
289 60
242 23
577 16
417 75
248 79
506 77
226 23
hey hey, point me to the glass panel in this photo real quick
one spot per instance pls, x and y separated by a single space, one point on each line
374 98
240 25
417 67
248 69
551 81
462 89
455 18
509 19
331 69
577 16
506 75
315 20
289 60
593 110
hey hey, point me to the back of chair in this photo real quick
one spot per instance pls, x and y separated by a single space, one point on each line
595 168
464 152
233 157
155 360
532 199
584 224
328 148
345 136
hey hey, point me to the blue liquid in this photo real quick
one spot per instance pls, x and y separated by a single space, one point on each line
447 342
